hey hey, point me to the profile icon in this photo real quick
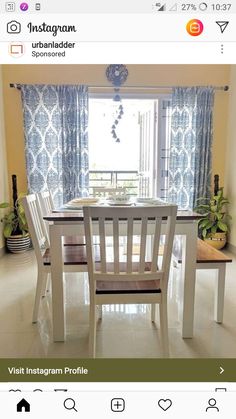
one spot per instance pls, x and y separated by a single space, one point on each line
212 405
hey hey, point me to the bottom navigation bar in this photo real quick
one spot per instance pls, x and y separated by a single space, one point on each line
127 404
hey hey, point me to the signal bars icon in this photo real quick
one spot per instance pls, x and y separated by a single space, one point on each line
159 7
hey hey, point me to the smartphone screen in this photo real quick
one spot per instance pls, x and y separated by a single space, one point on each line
117 208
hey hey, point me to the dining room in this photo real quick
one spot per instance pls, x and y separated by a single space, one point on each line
114 168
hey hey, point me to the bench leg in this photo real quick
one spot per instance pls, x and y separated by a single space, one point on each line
220 294
153 312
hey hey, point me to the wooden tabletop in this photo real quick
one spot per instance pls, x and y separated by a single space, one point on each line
78 216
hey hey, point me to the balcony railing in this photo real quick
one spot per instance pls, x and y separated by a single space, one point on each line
115 178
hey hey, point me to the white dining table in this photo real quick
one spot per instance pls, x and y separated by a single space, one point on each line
72 223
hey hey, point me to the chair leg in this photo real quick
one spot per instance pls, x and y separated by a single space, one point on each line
45 286
164 328
38 294
153 312
92 330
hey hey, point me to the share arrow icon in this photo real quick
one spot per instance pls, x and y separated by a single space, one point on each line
222 25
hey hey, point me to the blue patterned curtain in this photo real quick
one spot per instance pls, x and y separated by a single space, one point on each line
56 139
190 148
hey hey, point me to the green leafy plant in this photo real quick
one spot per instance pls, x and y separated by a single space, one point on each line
215 218
14 221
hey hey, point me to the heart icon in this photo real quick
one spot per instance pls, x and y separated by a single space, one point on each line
164 404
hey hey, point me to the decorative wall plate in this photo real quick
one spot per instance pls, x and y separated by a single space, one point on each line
117 74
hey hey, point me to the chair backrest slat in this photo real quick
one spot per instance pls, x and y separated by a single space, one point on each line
102 238
170 231
46 206
116 244
37 222
46 202
129 244
143 245
156 243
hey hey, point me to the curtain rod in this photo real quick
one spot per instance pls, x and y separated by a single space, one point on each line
224 88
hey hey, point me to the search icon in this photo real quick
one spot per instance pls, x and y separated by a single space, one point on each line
69 404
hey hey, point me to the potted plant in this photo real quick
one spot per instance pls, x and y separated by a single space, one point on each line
214 224
15 228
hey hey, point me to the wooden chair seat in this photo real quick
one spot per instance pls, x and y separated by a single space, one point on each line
72 255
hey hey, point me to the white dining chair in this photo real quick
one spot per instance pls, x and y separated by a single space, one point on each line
74 257
106 192
121 277
46 207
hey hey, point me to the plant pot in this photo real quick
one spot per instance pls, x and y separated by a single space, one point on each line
19 243
217 240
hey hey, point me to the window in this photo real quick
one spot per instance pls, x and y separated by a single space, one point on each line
139 160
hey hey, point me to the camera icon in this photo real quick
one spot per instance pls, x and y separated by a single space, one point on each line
13 27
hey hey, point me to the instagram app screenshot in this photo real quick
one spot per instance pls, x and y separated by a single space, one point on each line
117 209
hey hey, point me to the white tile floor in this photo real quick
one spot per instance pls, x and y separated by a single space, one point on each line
125 331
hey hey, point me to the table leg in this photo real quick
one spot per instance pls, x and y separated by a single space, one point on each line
58 314
189 253
220 294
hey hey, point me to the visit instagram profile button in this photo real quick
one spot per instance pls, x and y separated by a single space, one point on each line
194 27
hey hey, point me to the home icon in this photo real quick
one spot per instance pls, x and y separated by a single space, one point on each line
23 406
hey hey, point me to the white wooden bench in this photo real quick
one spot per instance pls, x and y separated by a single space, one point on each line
209 258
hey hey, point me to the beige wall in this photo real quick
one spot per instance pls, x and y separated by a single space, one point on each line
230 164
95 74
3 166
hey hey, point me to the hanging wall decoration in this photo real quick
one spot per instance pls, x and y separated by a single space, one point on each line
117 75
